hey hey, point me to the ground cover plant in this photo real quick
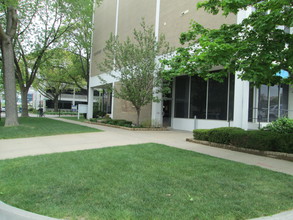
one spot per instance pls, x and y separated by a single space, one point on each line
32 127
147 181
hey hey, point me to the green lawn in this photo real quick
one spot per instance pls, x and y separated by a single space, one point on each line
147 181
32 127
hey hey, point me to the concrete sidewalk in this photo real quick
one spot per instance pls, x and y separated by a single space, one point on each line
12 148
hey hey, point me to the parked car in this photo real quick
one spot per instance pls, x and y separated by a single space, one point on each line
3 109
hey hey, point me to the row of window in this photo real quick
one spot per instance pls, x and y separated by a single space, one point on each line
204 99
270 103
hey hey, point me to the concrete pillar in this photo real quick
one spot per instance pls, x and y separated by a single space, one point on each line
241 103
90 103
157 110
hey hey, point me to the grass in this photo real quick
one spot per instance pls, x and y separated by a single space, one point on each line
147 181
32 127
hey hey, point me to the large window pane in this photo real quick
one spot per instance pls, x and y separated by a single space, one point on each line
198 97
217 100
181 96
274 102
263 104
284 92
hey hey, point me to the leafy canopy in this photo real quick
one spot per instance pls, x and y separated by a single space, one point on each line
259 47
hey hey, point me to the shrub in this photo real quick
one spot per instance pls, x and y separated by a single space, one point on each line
257 139
93 120
281 125
201 134
222 135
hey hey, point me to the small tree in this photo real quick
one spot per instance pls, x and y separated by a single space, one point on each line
135 60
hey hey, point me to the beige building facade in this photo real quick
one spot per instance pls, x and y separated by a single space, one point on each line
188 107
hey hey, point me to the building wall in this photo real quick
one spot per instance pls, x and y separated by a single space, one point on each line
104 24
176 15
131 13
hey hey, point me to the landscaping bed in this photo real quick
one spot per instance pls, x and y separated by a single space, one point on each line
123 124
261 142
277 155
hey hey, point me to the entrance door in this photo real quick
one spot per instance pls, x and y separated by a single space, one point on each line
167 112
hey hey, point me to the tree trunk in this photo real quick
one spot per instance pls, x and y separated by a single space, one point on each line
9 83
56 104
138 115
24 112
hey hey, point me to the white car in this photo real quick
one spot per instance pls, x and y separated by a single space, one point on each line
3 109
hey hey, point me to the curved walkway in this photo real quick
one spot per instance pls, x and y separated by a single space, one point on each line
12 148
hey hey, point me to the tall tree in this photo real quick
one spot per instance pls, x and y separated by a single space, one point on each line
139 72
78 41
8 28
259 48
46 24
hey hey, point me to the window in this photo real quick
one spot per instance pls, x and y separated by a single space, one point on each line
217 102
181 96
263 103
272 102
204 99
198 97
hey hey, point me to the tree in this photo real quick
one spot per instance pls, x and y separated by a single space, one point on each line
46 23
136 61
8 28
55 75
259 48
78 41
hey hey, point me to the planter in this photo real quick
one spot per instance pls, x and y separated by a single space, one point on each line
129 129
277 155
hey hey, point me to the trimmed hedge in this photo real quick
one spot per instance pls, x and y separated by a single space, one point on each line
258 140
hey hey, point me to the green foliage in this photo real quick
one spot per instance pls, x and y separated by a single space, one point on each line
222 135
257 139
201 134
135 59
264 141
281 125
93 120
256 47
57 75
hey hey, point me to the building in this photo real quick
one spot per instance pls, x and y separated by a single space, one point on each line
194 103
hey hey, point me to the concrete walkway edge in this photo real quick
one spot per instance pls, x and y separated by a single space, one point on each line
8 212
